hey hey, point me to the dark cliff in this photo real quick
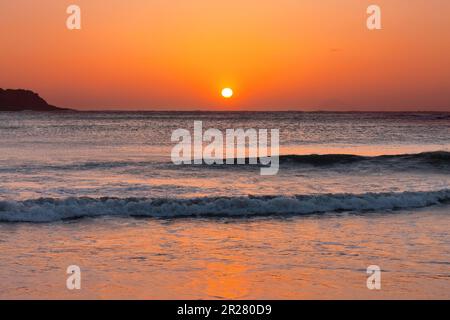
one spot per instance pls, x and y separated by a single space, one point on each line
21 100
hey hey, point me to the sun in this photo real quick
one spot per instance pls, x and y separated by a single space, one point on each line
227 93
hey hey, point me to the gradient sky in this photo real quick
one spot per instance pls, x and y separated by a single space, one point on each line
275 54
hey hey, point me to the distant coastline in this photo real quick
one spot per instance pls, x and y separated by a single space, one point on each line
24 100
16 100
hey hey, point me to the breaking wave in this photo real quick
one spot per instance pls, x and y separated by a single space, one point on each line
430 160
50 209
438 160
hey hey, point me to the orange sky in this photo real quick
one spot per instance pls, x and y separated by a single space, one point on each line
275 54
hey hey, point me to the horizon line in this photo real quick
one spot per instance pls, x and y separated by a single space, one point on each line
262 110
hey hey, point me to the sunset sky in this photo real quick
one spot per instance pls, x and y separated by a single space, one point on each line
275 55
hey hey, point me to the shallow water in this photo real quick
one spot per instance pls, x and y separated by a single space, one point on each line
272 258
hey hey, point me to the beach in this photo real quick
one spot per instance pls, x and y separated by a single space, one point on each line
309 257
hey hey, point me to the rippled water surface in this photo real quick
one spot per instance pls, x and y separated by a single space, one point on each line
99 190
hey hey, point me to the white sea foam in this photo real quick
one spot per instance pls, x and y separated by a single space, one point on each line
49 209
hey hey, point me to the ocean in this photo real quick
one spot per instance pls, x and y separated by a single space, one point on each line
99 190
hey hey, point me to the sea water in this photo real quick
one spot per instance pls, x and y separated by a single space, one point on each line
99 190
